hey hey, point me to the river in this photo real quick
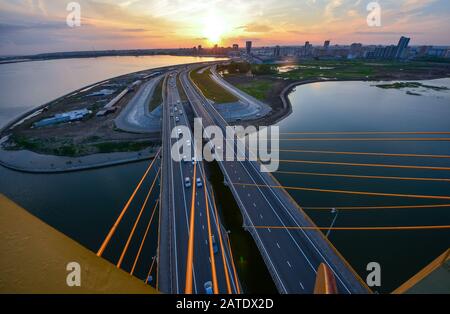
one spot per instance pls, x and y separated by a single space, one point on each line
362 107
85 204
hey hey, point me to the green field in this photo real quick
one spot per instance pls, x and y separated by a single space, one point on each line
157 98
350 69
259 89
211 89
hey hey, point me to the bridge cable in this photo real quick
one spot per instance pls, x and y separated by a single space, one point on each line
361 176
388 228
360 164
211 250
151 268
438 197
362 133
227 275
190 256
125 208
125 249
144 238
378 207
360 153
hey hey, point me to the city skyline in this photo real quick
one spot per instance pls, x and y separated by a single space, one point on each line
39 26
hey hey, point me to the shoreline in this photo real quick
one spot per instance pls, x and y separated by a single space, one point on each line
290 87
20 160
95 161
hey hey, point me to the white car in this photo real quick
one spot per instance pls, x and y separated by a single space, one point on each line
199 183
187 182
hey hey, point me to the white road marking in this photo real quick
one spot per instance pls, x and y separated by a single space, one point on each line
301 285
289 264
278 245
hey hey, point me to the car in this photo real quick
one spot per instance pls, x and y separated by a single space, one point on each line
208 287
215 247
193 161
187 182
199 182
181 112
188 143
177 119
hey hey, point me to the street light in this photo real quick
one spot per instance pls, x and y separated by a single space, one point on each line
334 212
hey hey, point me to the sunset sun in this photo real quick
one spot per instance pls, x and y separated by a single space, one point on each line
214 28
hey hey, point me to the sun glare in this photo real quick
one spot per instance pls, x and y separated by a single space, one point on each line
214 28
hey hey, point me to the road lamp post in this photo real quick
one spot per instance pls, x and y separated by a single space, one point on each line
334 212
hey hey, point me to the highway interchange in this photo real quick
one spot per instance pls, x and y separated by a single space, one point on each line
181 201
291 256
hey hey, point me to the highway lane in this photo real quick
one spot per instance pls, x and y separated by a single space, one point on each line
292 256
180 200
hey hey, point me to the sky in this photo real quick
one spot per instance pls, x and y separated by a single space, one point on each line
37 26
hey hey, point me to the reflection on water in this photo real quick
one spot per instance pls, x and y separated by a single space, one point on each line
356 107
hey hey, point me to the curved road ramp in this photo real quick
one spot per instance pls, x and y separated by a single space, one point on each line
136 117
35 259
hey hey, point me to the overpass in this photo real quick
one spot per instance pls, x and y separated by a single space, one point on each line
193 246
291 256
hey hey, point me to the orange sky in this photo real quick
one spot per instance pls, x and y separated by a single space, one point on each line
30 26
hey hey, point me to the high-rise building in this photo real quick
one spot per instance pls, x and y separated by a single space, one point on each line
248 45
236 47
307 49
326 44
401 47
277 51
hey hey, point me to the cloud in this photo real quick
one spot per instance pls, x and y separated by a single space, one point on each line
256 28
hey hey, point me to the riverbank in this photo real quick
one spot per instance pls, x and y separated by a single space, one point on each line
30 162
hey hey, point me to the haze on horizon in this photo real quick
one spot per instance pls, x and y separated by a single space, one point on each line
37 26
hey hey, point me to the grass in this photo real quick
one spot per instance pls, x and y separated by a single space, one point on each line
400 85
157 98
113 147
352 69
211 89
181 91
67 148
258 89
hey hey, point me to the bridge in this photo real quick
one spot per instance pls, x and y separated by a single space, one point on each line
193 246
292 256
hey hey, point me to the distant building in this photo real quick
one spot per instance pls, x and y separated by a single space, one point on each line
248 46
437 52
307 49
277 51
326 44
70 116
401 47
235 47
